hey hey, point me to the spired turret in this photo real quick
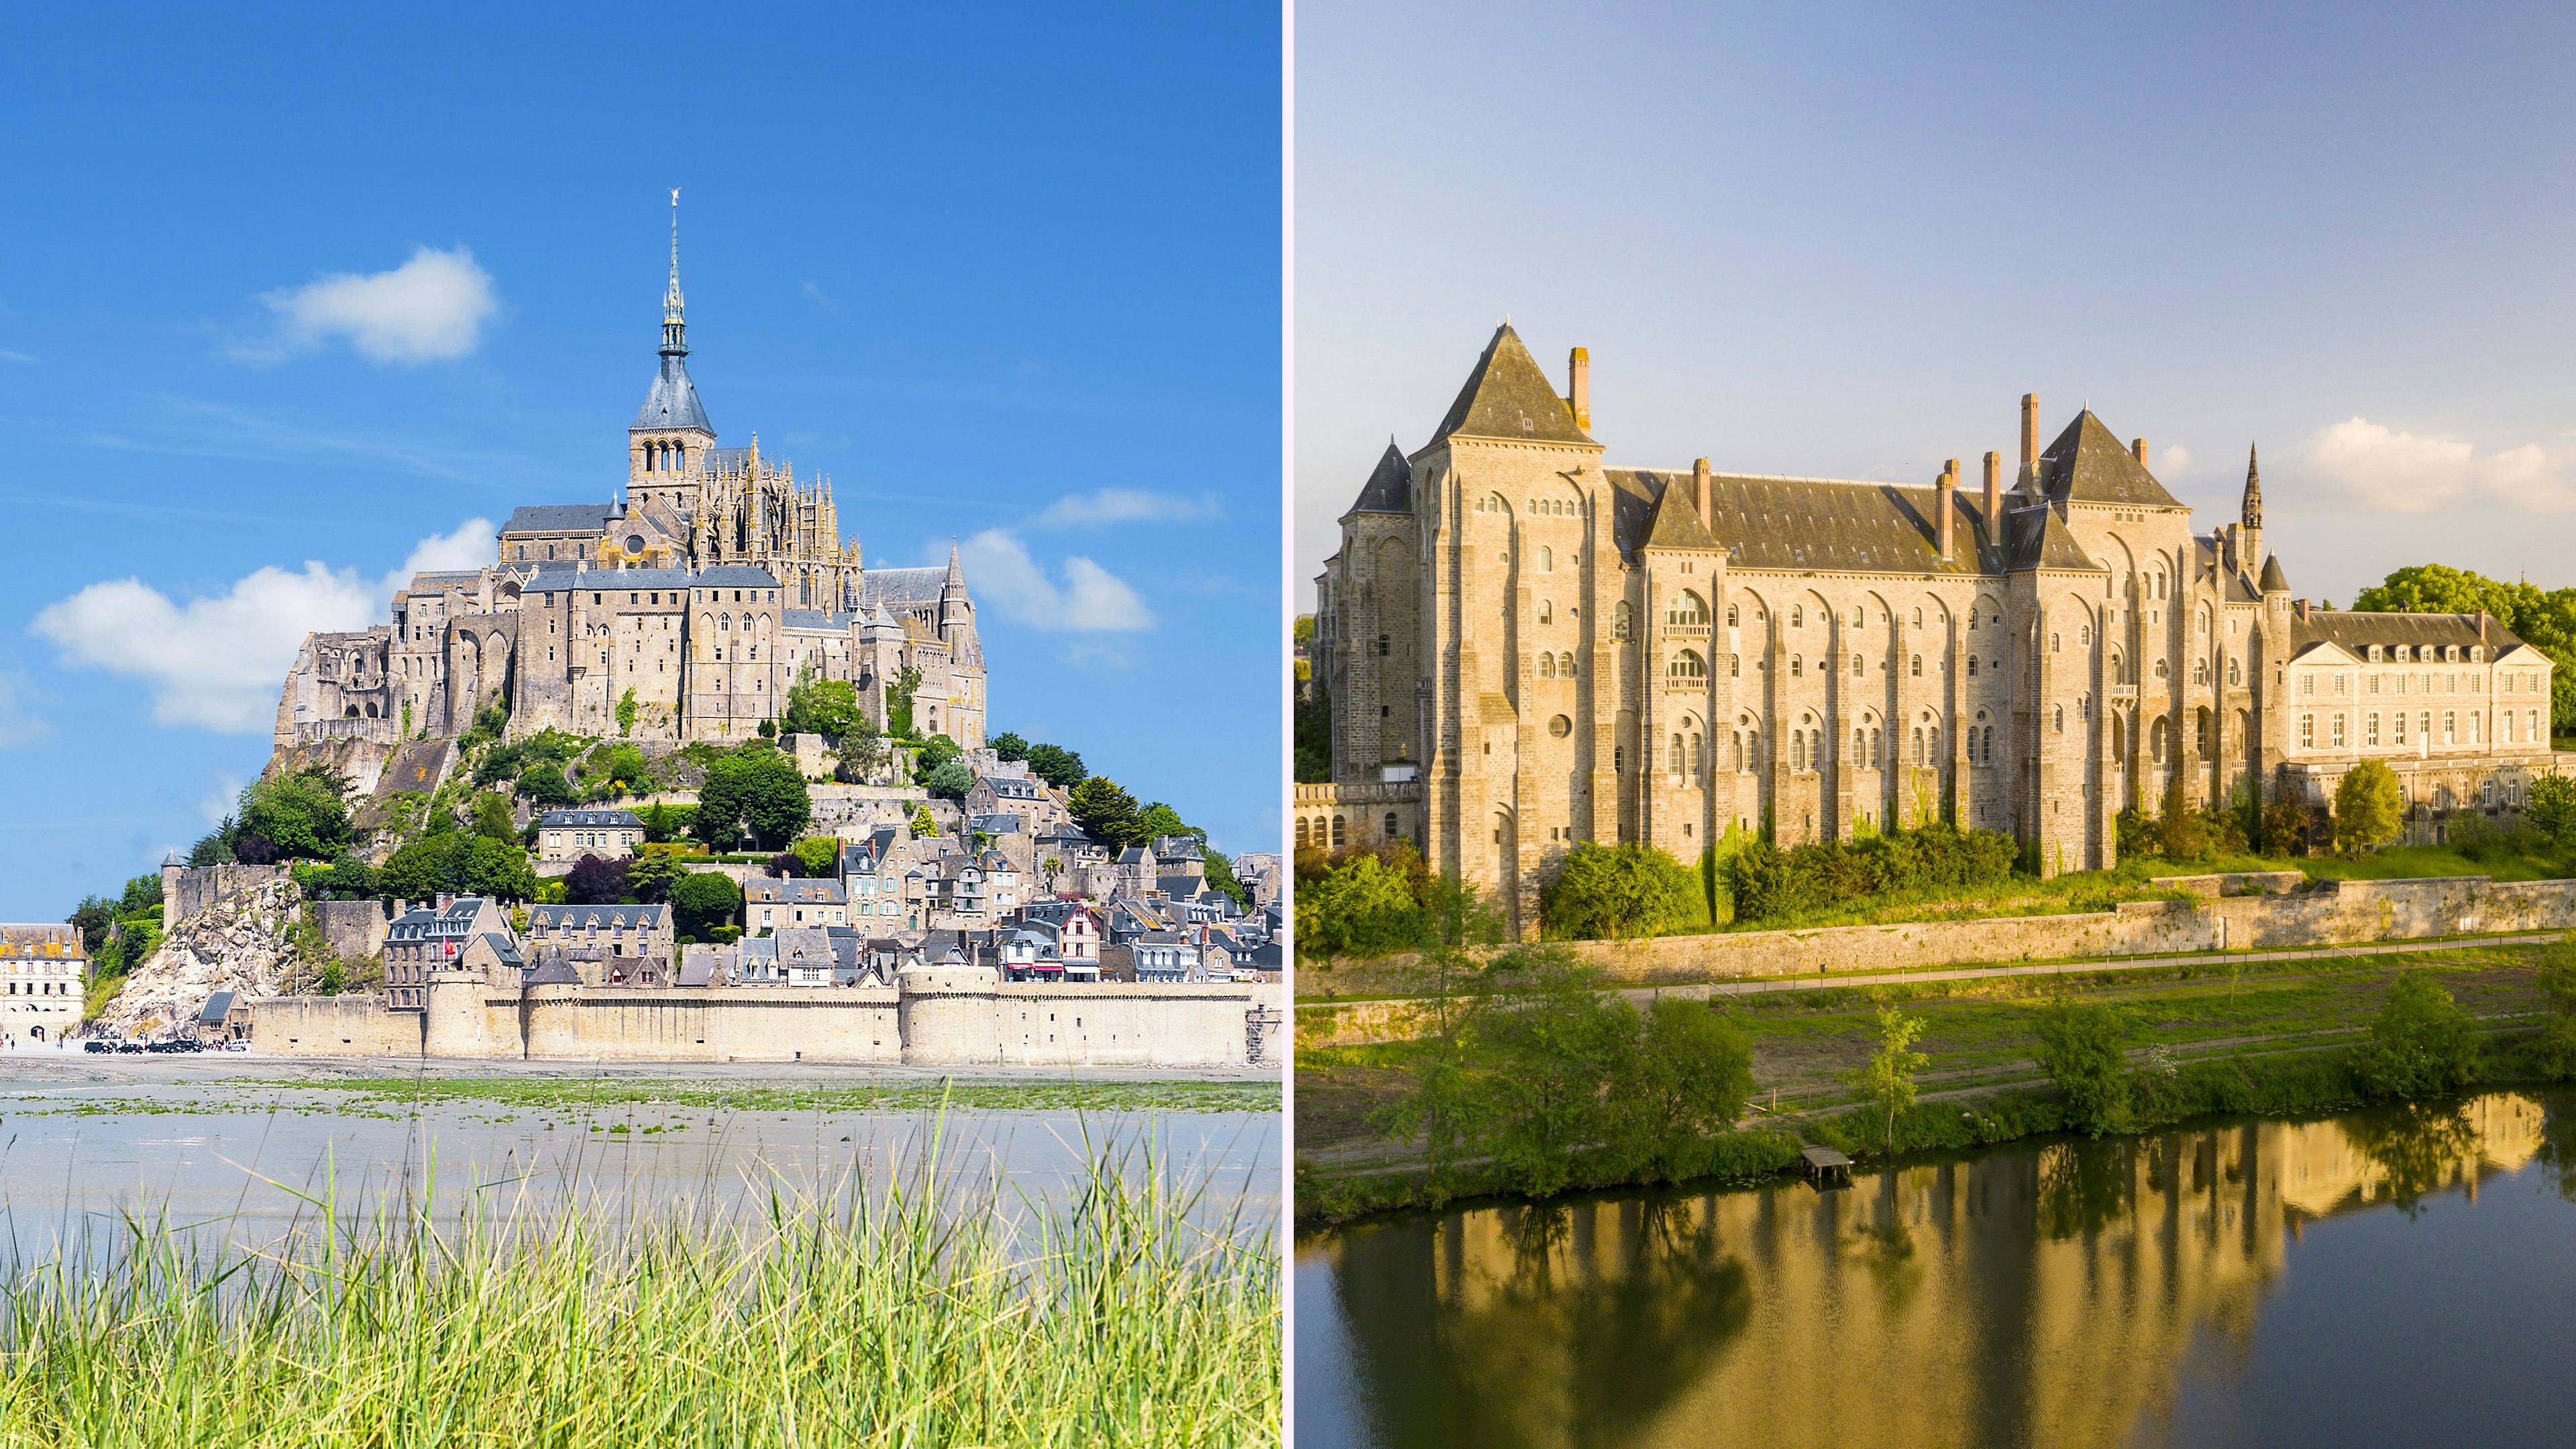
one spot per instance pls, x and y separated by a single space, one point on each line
667 443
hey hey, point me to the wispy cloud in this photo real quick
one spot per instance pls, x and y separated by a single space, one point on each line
1124 505
2387 470
1090 600
8 356
814 291
430 308
219 801
216 661
2172 461
186 427
21 720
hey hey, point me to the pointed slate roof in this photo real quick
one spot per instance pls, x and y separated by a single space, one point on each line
2039 539
1390 488
1677 522
2253 517
2274 581
2088 465
1507 396
673 401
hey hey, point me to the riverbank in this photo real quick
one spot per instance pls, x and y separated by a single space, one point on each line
2269 1039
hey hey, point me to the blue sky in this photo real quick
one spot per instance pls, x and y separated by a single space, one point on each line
1844 240
290 299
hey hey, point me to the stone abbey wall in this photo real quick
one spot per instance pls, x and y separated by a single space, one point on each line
2262 919
187 890
935 1018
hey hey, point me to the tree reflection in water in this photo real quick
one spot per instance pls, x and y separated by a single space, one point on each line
2421 1148
2557 1153
2084 1186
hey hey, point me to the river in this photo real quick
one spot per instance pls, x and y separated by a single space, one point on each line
2393 1276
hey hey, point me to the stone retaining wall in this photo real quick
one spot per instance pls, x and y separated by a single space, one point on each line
2332 913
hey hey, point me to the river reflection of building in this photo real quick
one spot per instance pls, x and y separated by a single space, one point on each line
2041 1295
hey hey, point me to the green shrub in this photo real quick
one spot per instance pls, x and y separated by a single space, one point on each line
1767 882
2079 1048
2421 1043
1619 891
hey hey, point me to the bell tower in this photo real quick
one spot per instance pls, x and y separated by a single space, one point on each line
668 441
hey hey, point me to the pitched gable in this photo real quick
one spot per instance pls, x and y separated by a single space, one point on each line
1507 396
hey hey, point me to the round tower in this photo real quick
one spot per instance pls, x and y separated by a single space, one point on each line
949 1013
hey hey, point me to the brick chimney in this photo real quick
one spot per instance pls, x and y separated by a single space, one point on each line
1699 490
2030 427
1942 506
1994 495
2138 450
2301 607
1578 391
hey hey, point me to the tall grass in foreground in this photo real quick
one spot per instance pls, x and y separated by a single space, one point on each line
862 1316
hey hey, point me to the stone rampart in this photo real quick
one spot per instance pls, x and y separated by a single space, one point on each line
961 1018
355 929
187 890
2331 913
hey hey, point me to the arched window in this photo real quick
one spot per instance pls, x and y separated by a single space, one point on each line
1695 766
1972 666
2058 719
1797 750
2200 671
2083 636
2156 740
1385 643
1797 616
1735 666
1797 665
1858 668
1546 665
1546 560
1914 666
1686 610
1677 755
2236 672
1565 666
2160 669
2052 644
1338 833
1686 666
1875 740
1391 830
1619 620
1918 745
1918 618
1731 615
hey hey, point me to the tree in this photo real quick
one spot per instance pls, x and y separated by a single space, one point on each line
627 709
619 770
899 693
704 900
2285 825
423 868
861 751
497 868
492 818
215 847
1889 1078
1616 891
302 816
2557 1045
2367 810
1694 1073
922 825
817 855
2545 620
2079 1048
757 793
2421 1043
345 879
2551 809
950 781
650 877
1009 747
1105 812
546 787
2179 827
936 751
1361 907
826 707
1056 765
664 823
595 882
1158 820
1220 874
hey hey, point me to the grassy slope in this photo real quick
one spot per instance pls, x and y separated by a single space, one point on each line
1979 1032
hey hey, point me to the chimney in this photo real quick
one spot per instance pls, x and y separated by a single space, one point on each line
2301 605
1949 481
1994 495
2030 427
2138 450
1699 490
1579 387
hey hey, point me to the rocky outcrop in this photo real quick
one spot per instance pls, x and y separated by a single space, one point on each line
242 942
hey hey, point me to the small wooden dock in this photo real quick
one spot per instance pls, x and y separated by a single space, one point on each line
1827 1168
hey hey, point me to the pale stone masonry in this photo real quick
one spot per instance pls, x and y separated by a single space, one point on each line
1526 649
44 979
699 595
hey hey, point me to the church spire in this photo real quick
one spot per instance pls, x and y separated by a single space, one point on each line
2253 490
674 324
956 573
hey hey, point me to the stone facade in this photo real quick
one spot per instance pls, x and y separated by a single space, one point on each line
700 594
44 979
1526 649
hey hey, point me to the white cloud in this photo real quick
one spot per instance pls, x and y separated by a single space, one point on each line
219 801
216 661
2172 461
20 724
1123 505
2383 469
1091 599
432 306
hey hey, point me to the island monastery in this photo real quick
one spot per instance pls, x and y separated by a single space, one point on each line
1525 649
702 593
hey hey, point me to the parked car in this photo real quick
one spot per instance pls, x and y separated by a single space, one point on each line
96 1045
236 1046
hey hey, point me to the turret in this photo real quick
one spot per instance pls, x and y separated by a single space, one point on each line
667 442
2250 526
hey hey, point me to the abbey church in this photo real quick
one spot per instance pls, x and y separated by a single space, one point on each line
1525 649
691 601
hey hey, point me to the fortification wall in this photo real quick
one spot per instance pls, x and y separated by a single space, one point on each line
354 928
333 1026
2333 913
188 889
1123 1024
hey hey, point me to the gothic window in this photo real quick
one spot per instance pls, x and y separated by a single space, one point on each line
2200 671
1565 666
1732 614
1972 666
1858 669
1384 642
1619 621
1918 618
2052 644
1546 665
2083 636
1914 666
1860 746
1876 739
1546 560
1686 665
2160 670
2058 720
1677 755
1918 744
1686 610
1338 830
1735 666
1797 750
1695 767
1546 611
2236 672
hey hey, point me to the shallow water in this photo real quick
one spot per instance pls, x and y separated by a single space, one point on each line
2385 1277
252 1159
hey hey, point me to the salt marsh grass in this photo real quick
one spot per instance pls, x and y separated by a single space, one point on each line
904 1312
